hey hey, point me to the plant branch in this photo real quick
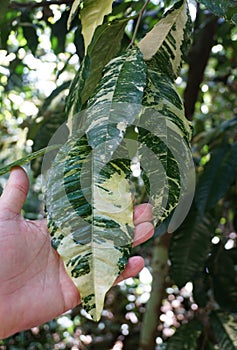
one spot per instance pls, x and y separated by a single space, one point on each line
138 23
198 58
160 269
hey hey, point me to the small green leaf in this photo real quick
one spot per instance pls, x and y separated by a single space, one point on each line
92 15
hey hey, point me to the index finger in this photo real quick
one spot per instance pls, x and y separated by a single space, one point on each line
142 213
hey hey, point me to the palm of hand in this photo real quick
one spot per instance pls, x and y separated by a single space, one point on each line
34 285
32 275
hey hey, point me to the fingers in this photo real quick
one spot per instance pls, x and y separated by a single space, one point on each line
15 192
142 213
142 233
143 227
134 266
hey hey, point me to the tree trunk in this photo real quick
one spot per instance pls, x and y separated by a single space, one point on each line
197 59
160 268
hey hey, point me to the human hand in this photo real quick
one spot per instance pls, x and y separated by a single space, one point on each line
34 285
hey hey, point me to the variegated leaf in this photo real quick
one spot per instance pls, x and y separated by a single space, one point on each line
163 126
88 196
162 96
92 15
89 202
105 45
117 101
72 14
164 130
224 328
90 218
167 42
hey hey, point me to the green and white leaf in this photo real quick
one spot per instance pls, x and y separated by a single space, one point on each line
167 42
72 14
90 216
89 202
105 45
92 15
164 130
117 100
162 96
224 328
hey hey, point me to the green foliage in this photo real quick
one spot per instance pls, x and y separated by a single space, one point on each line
217 177
192 237
186 337
224 330
32 114
226 9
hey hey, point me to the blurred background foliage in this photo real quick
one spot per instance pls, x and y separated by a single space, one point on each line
191 302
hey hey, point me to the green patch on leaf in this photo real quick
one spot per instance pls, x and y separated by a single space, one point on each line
226 9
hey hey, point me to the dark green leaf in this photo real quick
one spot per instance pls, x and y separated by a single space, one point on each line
186 337
224 329
4 25
201 286
58 33
218 175
29 32
53 114
190 246
226 9
222 266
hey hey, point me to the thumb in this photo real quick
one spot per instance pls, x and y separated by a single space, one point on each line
15 192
